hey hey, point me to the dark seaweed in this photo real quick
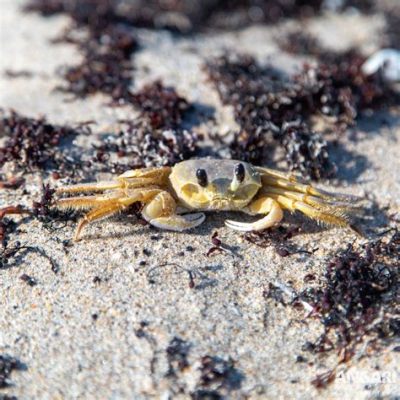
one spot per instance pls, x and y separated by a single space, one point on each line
43 208
8 364
160 105
338 88
177 355
391 35
11 256
6 225
106 67
299 42
139 145
187 15
270 113
306 151
359 300
217 378
28 279
267 109
279 239
155 139
107 51
276 112
35 145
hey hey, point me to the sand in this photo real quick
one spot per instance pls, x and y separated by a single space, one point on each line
100 327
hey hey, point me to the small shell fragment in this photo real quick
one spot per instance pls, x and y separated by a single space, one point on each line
387 61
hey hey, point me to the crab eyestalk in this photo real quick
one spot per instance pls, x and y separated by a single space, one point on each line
238 177
202 178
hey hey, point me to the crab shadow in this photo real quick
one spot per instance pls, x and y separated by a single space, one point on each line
213 223
374 124
350 165
371 219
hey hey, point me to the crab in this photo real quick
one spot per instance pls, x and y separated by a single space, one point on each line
175 198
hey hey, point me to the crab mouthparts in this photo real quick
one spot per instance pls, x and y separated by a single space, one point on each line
220 203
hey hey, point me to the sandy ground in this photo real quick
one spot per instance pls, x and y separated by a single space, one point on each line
87 338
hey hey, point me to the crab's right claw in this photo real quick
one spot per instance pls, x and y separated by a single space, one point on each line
178 223
161 212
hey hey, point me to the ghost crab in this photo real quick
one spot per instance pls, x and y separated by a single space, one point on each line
167 194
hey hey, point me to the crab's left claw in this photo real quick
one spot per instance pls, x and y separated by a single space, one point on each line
263 205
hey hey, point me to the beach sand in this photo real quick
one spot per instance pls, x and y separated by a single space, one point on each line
119 317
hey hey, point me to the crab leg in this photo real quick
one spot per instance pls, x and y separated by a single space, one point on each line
161 213
315 203
87 202
329 204
98 213
128 180
270 177
104 185
105 206
159 209
263 205
325 214
82 203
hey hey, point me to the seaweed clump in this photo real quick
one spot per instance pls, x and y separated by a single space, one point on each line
35 145
177 355
161 105
110 44
268 110
192 15
156 139
138 145
274 111
299 42
106 66
218 378
391 34
358 302
280 239
8 364
6 225
337 87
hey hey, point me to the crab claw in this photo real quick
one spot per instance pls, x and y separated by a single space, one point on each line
259 225
264 205
178 223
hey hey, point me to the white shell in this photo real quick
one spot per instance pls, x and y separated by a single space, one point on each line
386 60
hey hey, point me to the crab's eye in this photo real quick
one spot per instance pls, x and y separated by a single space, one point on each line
201 176
239 172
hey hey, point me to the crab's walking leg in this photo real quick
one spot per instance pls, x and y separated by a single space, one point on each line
263 205
103 206
128 180
276 179
312 209
89 187
317 204
98 213
161 212
159 209
83 203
